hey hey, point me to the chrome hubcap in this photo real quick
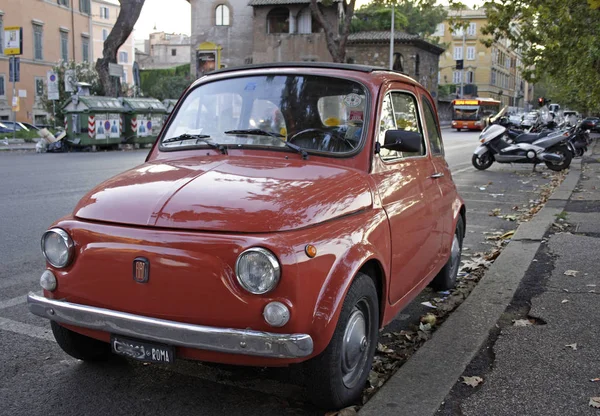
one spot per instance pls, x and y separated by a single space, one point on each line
355 345
455 255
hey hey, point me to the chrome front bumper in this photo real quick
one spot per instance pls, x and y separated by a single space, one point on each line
234 341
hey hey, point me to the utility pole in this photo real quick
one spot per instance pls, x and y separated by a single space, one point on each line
392 40
15 98
462 71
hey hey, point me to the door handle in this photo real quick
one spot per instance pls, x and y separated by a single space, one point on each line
437 175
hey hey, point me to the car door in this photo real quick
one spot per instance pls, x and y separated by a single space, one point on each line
406 190
443 205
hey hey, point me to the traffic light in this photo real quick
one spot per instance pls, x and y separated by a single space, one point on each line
460 63
541 101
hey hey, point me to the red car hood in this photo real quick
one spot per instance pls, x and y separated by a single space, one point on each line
248 195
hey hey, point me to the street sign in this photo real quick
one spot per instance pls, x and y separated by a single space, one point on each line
23 93
52 81
115 70
13 40
70 80
15 104
14 69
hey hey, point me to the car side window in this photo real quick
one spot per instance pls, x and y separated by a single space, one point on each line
398 112
433 129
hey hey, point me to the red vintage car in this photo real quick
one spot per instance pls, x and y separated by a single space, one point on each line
285 213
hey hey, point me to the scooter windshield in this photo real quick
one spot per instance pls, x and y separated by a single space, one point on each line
491 132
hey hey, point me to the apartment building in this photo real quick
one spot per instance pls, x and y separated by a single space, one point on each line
488 72
53 31
163 50
104 16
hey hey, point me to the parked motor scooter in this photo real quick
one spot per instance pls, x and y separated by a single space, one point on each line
552 149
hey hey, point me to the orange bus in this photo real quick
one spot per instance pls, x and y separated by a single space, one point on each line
472 114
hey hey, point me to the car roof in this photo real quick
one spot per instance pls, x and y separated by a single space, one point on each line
325 65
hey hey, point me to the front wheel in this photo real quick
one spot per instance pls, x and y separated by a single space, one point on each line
482 162
567 157
336 378
79 346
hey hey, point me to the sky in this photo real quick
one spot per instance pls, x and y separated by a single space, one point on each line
174 16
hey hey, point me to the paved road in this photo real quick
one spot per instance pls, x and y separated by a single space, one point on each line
37 378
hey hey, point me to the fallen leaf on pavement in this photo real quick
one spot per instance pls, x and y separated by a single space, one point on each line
429 305
572 346
429 319
564 301
473 381
593 380
595 402
424 327
382 348
495 212
571 273
522 322
348 411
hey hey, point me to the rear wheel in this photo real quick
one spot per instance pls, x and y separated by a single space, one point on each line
337 377
567 157
482 162
446 278
79 346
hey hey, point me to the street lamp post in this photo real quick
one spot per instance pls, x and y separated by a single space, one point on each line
462 71
392 40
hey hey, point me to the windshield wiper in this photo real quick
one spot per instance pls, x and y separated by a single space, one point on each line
259 132
199 138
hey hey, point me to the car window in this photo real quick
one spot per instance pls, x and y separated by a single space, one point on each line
398 112
433 130
317 113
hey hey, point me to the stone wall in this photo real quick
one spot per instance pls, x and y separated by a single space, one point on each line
282 47
378 54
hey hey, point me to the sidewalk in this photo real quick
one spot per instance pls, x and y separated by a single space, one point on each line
528 331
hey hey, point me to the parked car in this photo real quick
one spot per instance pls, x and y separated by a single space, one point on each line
591 123
4 128
30 126
15 125
285 214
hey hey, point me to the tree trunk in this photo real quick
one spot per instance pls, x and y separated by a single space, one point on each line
335 35
128 16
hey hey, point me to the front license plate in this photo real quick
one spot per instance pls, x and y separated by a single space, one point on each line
142 351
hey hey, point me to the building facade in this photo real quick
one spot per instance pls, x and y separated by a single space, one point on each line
285 30
53 31
414 56
494 72
163 50
104 16
222 34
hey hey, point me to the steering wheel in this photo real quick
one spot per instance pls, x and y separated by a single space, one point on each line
347 144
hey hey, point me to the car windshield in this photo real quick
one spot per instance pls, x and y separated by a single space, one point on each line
315 113
465 113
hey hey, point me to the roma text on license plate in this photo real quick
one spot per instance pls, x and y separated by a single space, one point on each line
142 351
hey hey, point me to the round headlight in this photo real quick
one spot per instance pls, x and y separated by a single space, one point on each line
58 248
257 270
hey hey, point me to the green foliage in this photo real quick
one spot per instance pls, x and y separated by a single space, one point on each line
84 72
446 89
28 136
165 83
559 44
417 17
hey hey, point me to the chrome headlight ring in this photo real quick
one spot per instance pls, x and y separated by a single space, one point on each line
263 261
62 256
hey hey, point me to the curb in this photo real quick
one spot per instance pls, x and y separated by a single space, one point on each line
420 386
16 149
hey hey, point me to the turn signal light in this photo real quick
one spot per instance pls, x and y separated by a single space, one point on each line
311 251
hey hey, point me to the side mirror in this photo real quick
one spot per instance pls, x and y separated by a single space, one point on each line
403 141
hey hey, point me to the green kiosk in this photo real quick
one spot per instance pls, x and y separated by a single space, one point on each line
144 119
94 121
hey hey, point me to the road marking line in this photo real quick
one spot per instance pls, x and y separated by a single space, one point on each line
13 302
26 329
462 170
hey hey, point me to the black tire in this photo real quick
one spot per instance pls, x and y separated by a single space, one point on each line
79 346
446 278
329 386
567 157
482 162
